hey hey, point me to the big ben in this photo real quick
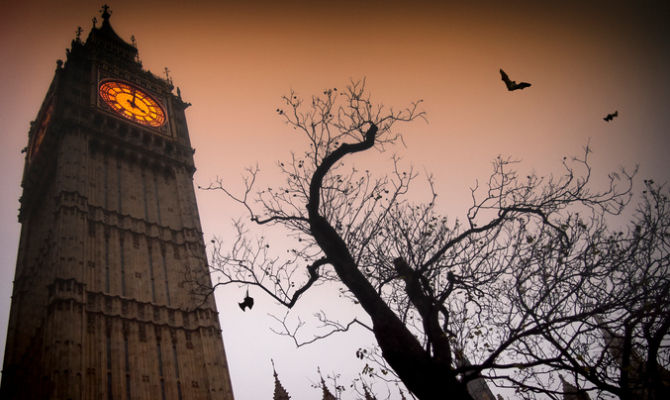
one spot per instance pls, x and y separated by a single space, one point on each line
100 307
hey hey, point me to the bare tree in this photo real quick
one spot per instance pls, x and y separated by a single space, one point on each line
617 283
524 288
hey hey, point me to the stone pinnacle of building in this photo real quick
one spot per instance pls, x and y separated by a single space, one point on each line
368 395
326 393
280 393
572 392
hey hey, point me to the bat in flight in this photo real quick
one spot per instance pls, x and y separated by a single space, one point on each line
611 116
512 85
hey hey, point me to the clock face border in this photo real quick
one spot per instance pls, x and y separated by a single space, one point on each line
132 102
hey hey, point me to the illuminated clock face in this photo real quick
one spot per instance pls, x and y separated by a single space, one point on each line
132 103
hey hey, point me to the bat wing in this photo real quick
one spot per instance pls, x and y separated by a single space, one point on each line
506 79
521 85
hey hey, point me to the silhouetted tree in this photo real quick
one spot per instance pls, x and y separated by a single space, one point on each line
530 284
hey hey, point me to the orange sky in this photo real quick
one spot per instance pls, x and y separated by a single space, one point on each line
233 60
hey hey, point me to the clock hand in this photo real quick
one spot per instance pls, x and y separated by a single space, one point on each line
132 102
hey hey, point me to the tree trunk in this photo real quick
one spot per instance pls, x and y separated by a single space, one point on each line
426 377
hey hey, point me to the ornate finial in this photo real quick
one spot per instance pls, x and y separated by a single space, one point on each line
167 75
95 21
105 12
59 64
133 41
179 96
78 33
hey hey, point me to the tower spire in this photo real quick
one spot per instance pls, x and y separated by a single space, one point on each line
367 394
572 392
477 387
105 13
326 393
280 393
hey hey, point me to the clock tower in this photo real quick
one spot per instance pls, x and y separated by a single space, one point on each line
101 306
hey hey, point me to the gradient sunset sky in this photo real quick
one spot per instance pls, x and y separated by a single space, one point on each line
234 59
